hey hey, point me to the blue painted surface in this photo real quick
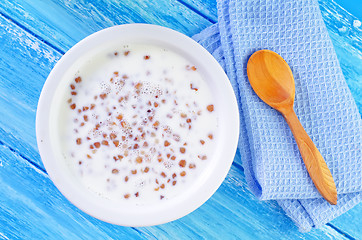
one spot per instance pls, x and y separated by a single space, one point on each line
34 36
352 6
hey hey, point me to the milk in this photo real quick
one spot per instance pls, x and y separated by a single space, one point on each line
138 124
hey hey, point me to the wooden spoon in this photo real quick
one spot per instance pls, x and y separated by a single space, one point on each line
272 80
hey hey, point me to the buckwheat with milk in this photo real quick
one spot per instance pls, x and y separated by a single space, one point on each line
139 124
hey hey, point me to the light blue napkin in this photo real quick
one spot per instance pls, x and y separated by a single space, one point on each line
273 166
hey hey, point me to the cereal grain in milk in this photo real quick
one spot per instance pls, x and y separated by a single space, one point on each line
139 123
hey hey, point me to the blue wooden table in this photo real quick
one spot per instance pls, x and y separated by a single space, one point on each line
34 34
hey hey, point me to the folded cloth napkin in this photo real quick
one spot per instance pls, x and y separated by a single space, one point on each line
273 166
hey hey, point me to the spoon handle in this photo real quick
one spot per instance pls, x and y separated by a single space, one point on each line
313 160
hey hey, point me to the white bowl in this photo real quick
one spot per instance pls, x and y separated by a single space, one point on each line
214 173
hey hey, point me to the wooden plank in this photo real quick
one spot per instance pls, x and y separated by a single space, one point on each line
176 227
231 213
64 23
42 23
31 197
31 207
350 222
24 65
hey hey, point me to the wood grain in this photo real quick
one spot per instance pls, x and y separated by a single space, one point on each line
36 38
313 160
272 80
24 65
63 23
233 212
34 209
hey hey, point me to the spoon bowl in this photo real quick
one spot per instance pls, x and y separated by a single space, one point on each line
272 80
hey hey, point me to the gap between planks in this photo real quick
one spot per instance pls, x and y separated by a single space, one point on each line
195 10
35 165
339 231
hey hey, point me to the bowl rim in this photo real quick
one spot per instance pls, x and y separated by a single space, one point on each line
170 210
